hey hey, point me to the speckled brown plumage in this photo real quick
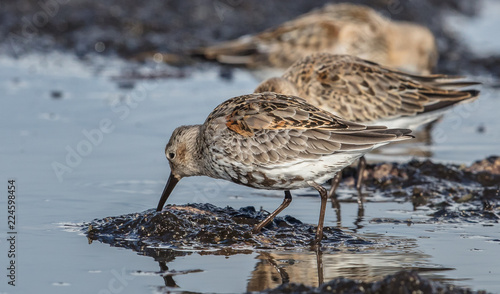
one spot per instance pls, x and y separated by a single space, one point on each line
337 29
271 141
365 92
368 93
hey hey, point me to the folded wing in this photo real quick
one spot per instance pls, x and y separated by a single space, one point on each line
271 128
364 91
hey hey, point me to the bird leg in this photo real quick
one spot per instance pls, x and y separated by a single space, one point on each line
324 198
359 219
319 264
286 201
335 184
359 178
337 213
285 278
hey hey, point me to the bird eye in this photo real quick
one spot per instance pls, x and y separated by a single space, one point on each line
171 155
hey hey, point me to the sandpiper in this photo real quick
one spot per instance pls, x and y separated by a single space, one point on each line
271 141
338 29
365 92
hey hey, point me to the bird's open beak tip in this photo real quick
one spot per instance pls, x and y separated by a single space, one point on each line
169 187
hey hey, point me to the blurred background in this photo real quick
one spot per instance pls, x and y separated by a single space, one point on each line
129 28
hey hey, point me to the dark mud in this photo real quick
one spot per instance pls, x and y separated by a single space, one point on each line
207 227
400 282
135 29
455 192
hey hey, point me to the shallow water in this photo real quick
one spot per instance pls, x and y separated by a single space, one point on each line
51 103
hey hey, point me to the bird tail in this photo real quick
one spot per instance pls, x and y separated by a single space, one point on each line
392 134
236 52
445 91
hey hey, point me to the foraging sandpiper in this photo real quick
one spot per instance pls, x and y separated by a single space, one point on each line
271 141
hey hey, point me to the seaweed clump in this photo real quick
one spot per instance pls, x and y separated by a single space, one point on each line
205 226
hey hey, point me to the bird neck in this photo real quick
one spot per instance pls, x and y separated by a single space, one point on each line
412 48
277 85
190 151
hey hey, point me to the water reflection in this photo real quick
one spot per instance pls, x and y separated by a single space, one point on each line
313 268
167 278
268 273
358 221
272 268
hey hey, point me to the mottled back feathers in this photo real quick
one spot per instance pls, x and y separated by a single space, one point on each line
267 128
363 91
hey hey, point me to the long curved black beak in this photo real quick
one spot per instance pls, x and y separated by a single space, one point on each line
172 181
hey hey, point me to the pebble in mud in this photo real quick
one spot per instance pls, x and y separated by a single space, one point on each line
56 94
490 164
